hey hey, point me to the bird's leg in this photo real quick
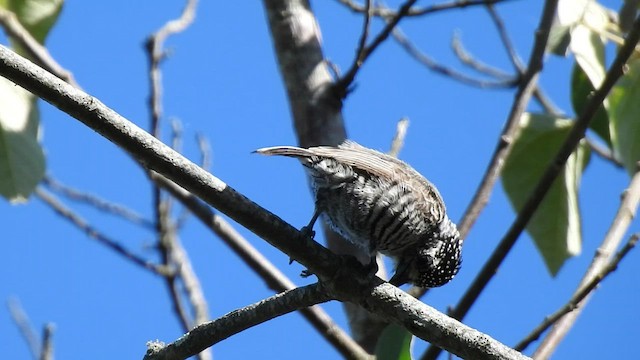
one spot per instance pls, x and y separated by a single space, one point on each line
307 231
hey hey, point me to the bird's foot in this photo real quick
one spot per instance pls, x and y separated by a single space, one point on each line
307 231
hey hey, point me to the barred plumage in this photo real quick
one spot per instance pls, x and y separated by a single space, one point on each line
383 205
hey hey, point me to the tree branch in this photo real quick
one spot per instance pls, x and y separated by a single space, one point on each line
338 274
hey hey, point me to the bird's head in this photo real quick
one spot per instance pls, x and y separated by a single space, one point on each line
434 262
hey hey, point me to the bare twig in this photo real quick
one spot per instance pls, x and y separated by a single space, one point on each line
95 201
343 83
205 151
506 40
156 54
364 35
578 296
92 233
616 70
466 58
604 153
47 342
172 252
36 51
539 95
210 333
387 13
190 282
398 138
430 63
613 238
21 320
338 274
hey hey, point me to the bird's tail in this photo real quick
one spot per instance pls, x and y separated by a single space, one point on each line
291 151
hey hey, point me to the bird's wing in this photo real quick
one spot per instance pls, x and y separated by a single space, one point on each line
352 154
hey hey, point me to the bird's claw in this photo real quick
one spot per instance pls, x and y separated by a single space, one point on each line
306 231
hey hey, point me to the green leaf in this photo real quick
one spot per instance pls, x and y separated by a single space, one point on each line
559 40
555 227
581 90
586 22
37 16
394 344
588 49
22 161
624 112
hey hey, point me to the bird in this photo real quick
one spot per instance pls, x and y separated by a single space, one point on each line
381 204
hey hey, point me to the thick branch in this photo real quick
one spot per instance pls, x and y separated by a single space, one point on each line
381 298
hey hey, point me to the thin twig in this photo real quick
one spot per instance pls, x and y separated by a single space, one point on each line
172 252
604 153
613 238
398 139
577 132
36 51
338 274
430 63
210 333
92 233
466 58
21 320
343 83
506 40
578 296
205 151
539 95
387 13
274 278
156 53
47 342
362 42
95 201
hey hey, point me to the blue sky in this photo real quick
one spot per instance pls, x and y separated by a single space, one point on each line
221 80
